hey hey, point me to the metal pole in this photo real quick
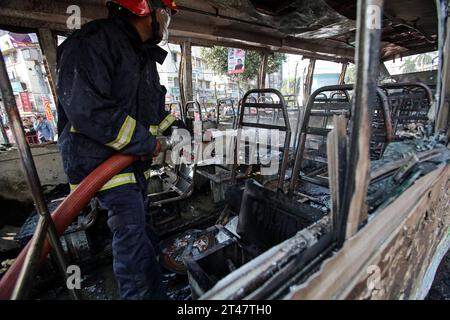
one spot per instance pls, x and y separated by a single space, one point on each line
45 222
263 70
443 103
295 83
187 70
343 73
357 172
309 81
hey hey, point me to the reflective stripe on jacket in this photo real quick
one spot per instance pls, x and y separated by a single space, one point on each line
109 96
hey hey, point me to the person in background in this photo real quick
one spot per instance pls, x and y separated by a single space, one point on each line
10 134
44 130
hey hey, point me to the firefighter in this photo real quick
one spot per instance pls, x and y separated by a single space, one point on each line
110 101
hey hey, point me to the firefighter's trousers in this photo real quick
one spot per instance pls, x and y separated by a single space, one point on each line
134 244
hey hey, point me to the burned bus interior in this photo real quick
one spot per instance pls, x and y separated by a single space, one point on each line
240 227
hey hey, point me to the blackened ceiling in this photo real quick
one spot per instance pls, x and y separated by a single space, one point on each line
409 25
324 28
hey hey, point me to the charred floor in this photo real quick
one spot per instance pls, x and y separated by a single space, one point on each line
268 193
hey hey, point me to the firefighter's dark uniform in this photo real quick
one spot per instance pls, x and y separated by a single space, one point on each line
110 100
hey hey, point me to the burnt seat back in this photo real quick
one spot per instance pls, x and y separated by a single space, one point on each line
267 218
192 113
410 103
326 102
382 127
262 114
311 151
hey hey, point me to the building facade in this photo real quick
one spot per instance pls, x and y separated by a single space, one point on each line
207 86
24 63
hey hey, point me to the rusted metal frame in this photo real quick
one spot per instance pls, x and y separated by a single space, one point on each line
387 116
410 84
196 104
443 112
216 14
181 80
298 125
45 224
307 86
240 124
263 70
304 131
388 86
181 194
47 41
341 80
354 208
336 150
204 42
224 101
187 70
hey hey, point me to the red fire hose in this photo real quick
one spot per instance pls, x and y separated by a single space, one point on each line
67 211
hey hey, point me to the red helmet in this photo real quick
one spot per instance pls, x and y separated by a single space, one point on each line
142 8
170 4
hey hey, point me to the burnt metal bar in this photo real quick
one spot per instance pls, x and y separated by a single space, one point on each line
443 112
47 41
303 132
194 106
45 223
264 105
387 117
369 25
307 87
263 126
402 85
336 150
187 70
263 70
343 73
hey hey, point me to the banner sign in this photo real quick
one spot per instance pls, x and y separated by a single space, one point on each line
25 98
18 102
22 41
236 61
48 110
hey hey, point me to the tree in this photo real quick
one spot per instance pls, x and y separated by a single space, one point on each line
418 63
409 66
350 75
217 59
